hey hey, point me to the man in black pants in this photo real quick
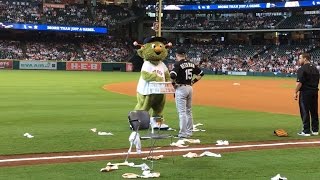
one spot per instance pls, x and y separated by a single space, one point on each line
307 84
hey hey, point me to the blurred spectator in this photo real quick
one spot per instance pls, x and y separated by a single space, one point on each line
51 51
205 21
106 50
10 50
26 12
277 59
109 15
70 15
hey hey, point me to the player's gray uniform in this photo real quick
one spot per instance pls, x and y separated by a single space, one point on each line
182 73
183 97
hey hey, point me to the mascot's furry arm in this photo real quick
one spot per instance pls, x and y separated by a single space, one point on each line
151 76
167 76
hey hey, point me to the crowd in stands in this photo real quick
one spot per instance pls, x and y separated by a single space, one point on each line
300 21
10 50
51 51
106 51
109 15
34 11
70 15
273 58
277 59
239 22
25 12
102 50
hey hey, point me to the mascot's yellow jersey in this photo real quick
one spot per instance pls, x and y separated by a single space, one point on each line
160 69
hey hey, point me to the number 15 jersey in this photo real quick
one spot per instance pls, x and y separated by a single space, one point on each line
184 71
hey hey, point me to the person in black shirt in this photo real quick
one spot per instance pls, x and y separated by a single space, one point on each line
307 84
182 79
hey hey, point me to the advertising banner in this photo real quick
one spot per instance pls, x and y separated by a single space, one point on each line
83 66
236 73
287 4
58 28
38 65
50 5
6 64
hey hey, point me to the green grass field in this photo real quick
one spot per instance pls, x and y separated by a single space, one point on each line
59 108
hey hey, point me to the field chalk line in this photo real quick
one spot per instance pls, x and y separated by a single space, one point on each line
157 151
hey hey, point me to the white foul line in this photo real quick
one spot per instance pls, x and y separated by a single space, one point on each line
157 151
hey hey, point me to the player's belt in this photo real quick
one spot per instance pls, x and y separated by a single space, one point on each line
183 85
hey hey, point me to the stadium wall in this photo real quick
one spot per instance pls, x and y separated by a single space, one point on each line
66 66
102 66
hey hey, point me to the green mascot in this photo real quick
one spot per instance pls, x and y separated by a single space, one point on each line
153 52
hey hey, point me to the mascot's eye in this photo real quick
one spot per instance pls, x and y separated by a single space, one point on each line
153 45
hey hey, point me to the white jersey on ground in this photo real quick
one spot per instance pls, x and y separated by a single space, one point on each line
160 69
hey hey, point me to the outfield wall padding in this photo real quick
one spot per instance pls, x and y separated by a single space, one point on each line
16 64
61 66
114 67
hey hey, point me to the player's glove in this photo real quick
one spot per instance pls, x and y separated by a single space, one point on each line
280 133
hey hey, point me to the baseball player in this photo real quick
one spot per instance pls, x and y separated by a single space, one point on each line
182 80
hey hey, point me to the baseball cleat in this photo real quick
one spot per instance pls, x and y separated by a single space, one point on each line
303 134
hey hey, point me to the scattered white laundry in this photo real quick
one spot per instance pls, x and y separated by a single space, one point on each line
145 174
178 144
27 135
101 133
192 141
198 124
206 153
153 157
109 168
171 129
126 163
222 143
210 154
278 177
149 174
195 129
130 176
191 155
144 167
182 142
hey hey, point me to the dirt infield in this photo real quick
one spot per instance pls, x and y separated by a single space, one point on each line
274 96
254 95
